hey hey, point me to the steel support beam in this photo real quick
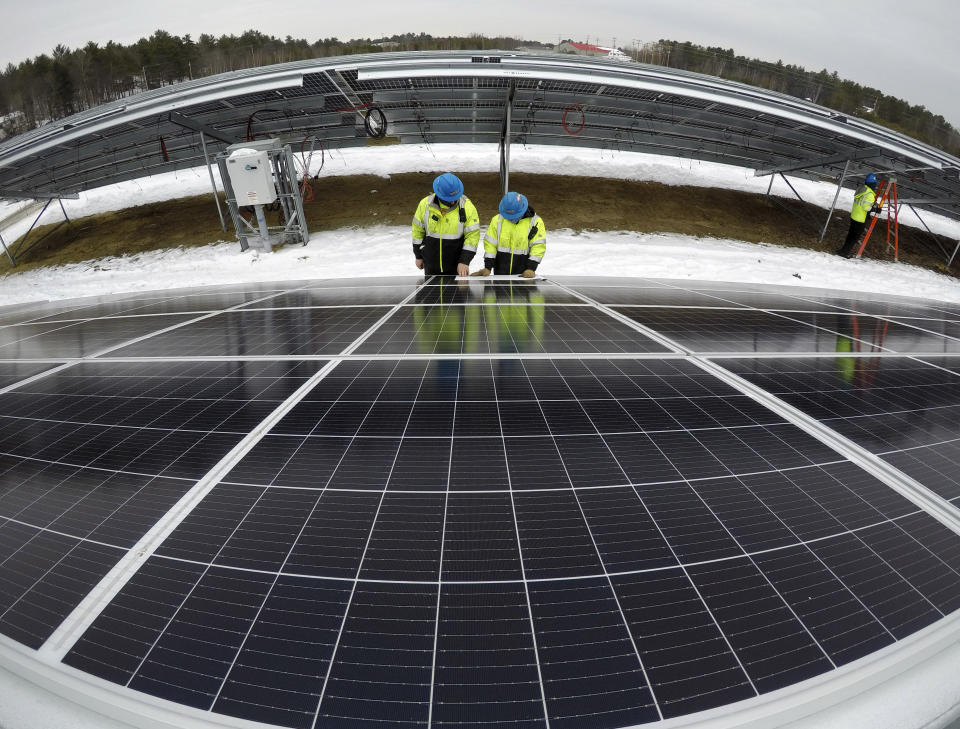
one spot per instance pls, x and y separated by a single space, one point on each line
37 195
821 161
505 140
213 184
182 121
931 201
834 203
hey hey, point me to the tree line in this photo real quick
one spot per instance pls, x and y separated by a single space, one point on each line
49 87
821 87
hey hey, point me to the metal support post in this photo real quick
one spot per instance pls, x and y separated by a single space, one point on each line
803 215
505 141
297 220
833 205
262 224
932 234
63 210
12 261
213 184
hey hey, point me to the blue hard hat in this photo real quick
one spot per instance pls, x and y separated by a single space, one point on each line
870 179
513 206
448 187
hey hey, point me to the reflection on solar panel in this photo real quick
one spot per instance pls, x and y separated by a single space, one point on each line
476 503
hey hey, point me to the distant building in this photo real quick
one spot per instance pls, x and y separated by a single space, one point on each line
581 49
586 49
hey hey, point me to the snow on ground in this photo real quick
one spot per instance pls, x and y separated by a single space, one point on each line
385 250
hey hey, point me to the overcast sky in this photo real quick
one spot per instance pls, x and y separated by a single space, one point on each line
906 49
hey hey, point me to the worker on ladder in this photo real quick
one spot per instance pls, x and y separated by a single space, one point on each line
446 229
864 203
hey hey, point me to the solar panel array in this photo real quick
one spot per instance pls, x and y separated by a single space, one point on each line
437 97
570 502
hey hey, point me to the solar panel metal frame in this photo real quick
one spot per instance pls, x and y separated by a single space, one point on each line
437 97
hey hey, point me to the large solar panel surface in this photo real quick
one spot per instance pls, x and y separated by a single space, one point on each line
395 502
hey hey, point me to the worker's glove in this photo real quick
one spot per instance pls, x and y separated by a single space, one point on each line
419 263
528 273
876 209
481 272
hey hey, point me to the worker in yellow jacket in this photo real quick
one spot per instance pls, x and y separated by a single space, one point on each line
864 203
516 240
446 229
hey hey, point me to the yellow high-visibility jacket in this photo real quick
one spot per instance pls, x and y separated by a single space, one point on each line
863 201
444 238
512 247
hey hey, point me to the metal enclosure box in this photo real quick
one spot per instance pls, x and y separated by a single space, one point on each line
251 176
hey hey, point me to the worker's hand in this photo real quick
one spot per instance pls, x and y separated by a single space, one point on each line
481 272
528 273
463 269
419 263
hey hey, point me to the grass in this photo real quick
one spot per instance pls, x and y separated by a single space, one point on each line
578 203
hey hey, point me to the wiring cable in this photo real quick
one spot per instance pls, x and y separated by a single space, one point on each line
583 119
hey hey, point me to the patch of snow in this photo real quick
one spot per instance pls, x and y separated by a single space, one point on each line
534 159
385 251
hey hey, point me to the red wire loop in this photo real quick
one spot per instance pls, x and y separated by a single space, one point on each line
583 119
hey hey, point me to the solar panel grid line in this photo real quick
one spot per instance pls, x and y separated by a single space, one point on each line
443 542
831 331
136 340
386 356
38 376
113 316
722 298
523 573
107 350
67 325
905 323
72 628
379 323
799 540
353 590
652 334
616 598
206 570
686 570
87 467
914 491
852 531
134 429
266 597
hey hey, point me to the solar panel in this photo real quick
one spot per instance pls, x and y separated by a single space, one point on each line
476 512
262 332
902 409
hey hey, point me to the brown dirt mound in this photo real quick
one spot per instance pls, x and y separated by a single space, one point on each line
578 203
